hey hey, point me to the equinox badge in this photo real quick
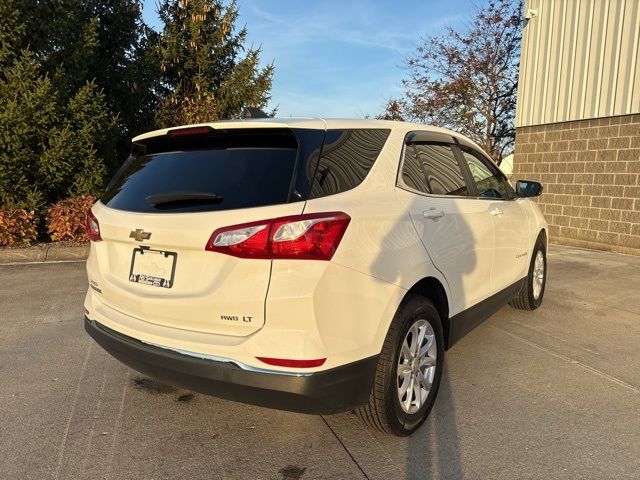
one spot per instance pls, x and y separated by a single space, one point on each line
139 235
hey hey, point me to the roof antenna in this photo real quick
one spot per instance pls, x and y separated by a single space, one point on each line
253 112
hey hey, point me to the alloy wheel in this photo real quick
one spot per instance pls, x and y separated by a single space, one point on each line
538 275
416 366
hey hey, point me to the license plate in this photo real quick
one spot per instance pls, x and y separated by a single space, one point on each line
153 267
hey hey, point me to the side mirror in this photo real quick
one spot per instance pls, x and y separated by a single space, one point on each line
528 188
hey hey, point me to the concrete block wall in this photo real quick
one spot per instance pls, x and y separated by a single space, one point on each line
590 170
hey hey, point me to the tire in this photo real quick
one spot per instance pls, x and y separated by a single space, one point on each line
384 410
530 296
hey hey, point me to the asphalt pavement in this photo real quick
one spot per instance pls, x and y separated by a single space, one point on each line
548 394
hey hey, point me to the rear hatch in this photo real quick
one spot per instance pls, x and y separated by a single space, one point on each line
160 210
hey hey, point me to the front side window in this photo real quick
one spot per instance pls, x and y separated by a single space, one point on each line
489 181
439 166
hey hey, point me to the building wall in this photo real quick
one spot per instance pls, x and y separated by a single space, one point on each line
580 59
590 170
578 119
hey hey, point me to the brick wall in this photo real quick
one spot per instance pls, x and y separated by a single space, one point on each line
590 170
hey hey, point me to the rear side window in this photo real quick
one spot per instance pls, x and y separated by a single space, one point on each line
347 156
434 169
228 170
413 174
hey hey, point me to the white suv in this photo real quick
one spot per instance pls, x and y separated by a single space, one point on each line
309 265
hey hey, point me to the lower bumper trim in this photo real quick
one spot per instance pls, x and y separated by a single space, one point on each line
329 391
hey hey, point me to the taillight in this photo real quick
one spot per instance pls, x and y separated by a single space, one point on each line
291 363
314 236
93 227
248 240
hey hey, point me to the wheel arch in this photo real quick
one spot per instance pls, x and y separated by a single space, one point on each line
542 235
432 289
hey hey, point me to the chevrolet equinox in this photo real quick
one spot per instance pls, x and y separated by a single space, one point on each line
309 265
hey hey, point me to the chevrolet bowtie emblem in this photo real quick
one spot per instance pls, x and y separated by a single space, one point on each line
139 235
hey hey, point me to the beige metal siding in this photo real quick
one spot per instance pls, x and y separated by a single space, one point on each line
580 59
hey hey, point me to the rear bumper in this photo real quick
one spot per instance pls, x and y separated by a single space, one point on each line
330 391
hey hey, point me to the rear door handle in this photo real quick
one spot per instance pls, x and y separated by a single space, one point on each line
433 214
495 211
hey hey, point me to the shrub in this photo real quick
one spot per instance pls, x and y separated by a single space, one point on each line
66 218
17 227
51 147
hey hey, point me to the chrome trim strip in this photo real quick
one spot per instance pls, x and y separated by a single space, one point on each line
215 358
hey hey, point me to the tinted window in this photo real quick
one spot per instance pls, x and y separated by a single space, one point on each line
347 156
441 168
413 174
309 146
490 183
227 171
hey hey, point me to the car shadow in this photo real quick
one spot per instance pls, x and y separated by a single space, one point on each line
433 451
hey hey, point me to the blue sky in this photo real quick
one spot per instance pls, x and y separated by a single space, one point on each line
338 58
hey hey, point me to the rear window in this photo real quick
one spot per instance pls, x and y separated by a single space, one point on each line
347 156
222 171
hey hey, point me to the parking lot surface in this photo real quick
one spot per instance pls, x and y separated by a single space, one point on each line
553 393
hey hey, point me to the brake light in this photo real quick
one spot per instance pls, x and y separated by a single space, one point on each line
314 236
93 227
286 362
189 132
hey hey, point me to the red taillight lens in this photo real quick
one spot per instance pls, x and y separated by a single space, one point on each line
248 240
93 227
286 362
314 236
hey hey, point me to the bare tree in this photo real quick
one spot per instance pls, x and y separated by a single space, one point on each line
467 81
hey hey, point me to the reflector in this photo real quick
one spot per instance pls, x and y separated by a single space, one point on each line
286 362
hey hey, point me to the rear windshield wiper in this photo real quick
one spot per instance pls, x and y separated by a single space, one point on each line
181 198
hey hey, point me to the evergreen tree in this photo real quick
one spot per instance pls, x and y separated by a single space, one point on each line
63 39
204 75
52 144
11 33
48 147
100 41
125 66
